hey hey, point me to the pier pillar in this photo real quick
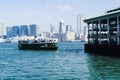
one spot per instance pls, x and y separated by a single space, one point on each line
118 31
88 32
108 29
99 26
92 32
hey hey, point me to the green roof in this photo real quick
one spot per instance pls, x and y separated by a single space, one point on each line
107 13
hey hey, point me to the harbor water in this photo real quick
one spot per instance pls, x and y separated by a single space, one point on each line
69 62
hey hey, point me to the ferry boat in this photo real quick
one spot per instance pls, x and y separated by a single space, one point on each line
37 43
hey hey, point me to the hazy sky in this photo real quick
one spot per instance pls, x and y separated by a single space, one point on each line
46 12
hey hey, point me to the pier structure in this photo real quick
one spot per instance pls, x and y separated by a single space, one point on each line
104 32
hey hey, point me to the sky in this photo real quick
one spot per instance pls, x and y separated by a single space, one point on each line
46 12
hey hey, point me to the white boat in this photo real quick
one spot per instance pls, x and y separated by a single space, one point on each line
2 40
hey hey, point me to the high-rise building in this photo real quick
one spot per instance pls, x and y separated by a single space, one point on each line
59 36
79 23
33 30
15 31
51 28
68 28
61 27
70 36
45 34
24 30
2 29
9 32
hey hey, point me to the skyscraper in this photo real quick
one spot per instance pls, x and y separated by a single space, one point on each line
24 30
33 30
9 32
51 28
79 23
2 29
68 28
61 27
15 31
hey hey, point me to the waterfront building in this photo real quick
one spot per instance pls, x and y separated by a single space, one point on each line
15 31
70 35
24 30
45 34
104 32
33 30
57 36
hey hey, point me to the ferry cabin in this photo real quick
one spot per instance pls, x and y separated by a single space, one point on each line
104 29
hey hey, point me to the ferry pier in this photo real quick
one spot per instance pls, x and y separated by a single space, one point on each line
104 32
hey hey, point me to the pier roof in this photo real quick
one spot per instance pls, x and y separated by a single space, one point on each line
105 14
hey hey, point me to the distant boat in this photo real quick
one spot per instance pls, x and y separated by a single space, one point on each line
38 43
12 40
8 40
2 40
76 41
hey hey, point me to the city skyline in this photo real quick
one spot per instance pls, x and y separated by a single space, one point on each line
46 12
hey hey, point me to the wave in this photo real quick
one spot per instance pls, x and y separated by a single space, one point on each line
8 49
71 50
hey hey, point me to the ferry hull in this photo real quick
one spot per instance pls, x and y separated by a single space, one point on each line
36 47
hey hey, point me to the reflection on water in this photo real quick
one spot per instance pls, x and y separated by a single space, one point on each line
104 68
